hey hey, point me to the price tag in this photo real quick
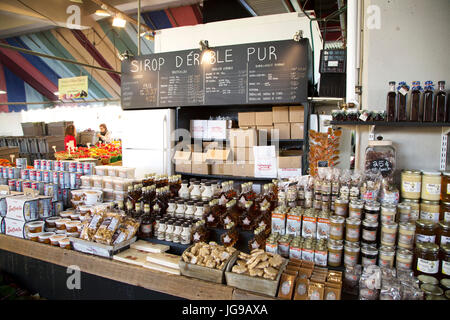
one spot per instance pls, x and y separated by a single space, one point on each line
382 165
333 63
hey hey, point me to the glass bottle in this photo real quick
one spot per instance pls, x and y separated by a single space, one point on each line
231 214
137 210
207 192
199 232
181 208
401 101
390 103
427 102
186 234
162 229
189 213
184 193
213 217
146 228
231 193
258 241
415 112
198 214
250 195
130 198
439 103
230 237
196 193
130 209
171 208
264 218
248 217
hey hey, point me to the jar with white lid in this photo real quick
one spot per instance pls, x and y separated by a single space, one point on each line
380 157
430 210
411 184
404 259
404 212
389 233
355 209
406 232
388 212
431 185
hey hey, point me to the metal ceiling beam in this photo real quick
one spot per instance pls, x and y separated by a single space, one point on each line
248 8
7 46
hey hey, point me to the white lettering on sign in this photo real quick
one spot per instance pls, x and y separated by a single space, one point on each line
153 64
263 54
74 281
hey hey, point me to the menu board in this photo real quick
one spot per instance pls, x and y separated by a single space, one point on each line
258 73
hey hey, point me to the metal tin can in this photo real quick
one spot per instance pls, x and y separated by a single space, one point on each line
5 173
59 194
80 167
21 163
55 177
37 164
25 174
72 166
65 193
41 187
78 180
35 185
56 189
39 175
19 184
11 173
61 179
73 180
66 180
12 184
88 168
33 175
46 176
48 165
26 184
43 164
65 165
57 165
45 208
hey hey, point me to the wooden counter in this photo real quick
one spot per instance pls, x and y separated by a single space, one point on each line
175 285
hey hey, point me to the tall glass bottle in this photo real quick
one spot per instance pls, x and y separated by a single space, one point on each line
440 103
230 237
415 113
259 240
146 228
402 113
390 103
427 102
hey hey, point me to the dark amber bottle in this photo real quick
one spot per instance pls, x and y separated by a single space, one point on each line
212 218
440 103
390 103
427 102
258 241
402 96
248 218
415 112
232 214
230 237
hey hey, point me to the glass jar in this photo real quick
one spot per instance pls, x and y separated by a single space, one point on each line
406 233
184 193
404 212
371 210
445 186
427 279
353 226
389 233
369 232
443 233
190 209
295 249
162 229
432 292
380 157
369 256
176 238
426 231
337 227
431 185
429 210
283 246
186 234
426 259
388 212
351 254
444 212
355 209
181 208
207 192
445 265
323 226
404 259
335 249
387 255
411 181
341 207
172 206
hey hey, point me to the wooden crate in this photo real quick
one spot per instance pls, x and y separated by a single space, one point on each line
99 249
204 273
253 284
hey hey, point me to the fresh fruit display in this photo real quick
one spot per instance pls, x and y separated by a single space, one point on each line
108 153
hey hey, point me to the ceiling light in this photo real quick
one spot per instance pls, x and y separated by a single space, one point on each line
102 13
147 35
56 93
2 92
207 53
119 22
125 56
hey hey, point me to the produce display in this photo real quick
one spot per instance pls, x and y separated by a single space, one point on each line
107 153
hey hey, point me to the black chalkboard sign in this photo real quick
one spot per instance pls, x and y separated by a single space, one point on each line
384 166
258 73
322 164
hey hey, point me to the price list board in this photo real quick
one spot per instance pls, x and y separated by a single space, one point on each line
258 73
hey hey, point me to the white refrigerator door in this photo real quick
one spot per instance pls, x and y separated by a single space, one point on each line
146 140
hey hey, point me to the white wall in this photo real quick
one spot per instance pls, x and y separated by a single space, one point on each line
412 44
247 30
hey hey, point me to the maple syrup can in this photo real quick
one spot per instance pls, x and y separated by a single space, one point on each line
49 165
66 180
33 175
43 164
39 175
65 165
88 168
37 164
72 166
26 184
46 176
65 196
12 184
13 173
5 173
55 177
57 165
80 167
19 184
25 174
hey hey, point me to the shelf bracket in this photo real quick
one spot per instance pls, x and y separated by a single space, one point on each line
444 147
371 133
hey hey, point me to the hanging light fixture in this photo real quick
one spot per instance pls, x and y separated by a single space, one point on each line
147 35
2 92
119 22
125 55
207 53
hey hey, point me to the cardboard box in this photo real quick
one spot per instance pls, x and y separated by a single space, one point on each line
243 169
182 160
228 169
284 130
280 114
289 161
243 154
243 138
246 119
296 114
217 169
297 130
264 133
199 129
199 165
264 118
217 129
218 156
15 228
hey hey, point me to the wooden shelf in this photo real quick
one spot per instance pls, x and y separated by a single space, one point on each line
390 124
175 285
